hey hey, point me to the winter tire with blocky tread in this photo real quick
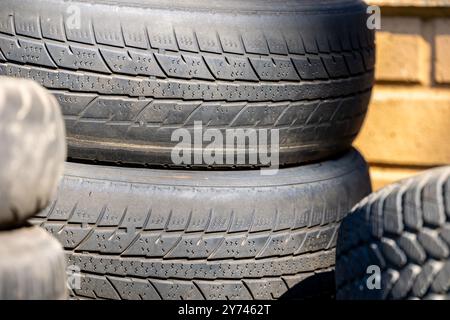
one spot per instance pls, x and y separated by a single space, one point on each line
169 234
402 231
33 149
127 73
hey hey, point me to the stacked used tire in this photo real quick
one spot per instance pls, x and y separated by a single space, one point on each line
129 74
32 140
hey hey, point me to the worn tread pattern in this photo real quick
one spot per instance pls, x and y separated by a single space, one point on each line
96 286
207 74
33 149
404 229
32 265
177 228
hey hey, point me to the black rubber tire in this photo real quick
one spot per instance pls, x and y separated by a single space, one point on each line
169 234
404 229
32 265
137 70
33 149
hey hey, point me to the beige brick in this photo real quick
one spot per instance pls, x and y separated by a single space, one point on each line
442 51
410 3
402 51
382 176
407 126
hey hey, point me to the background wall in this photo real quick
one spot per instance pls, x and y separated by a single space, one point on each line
407 128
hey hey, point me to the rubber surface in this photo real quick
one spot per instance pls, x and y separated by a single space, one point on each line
131 72
171 234
32 265
33 149
404 229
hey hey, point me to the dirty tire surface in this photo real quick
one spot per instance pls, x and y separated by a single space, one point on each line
33 149
404 229
173 234
32 265
129 73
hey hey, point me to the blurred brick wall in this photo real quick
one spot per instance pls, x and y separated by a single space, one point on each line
407 128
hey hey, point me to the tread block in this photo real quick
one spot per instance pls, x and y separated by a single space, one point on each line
310 43
335 66
208 41
433 202
166 112
177 290
425 278
108 33
77 58
25 51
107 241
6 22
393 253
317 239
231 68
134 34
405 281
240 246
310 68
282 244
131 62
27 24
432 244
186 39
137 211
297 113
274 69
392 219
271 289
441 283
195 246
183 66
231 42
72 104
96 286
444 233
152 245
294 43
221 290
134 289
52 26
69 236
83 33
446 195
162 37
355 62
412 214
276 42
409 244
114 109
255 42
